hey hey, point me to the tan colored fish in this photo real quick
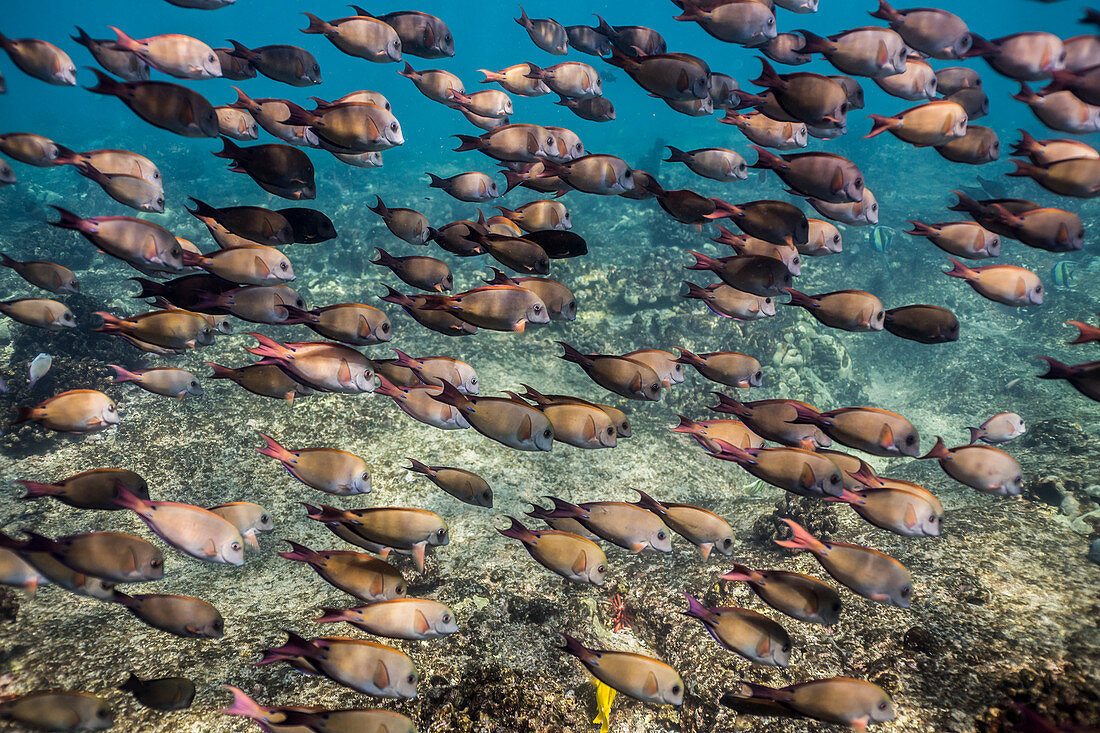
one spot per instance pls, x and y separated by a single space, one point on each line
350 127
796 470
419 402
1061 110
960 238
95 489
367 578
583 426
249 519
325 469
763 130
112 556
298 719
400 528
46 275
901 507
835 700
725 367
174 54
167 381
39 312
366 667
931 31
40 59
870 51
75 411
35 150
541 215
558 299
495 307
464 485
192 530
509 421
266 380
848 310
407 224
707 432
271 114
136 241
238 124
702 528
571 556
618 417
1079 177
1006 284
621 375
981 467
571 79
1027 56
627 525
1045 152
58 711
727 302
932 123
323 365
864 571
172 329
400 618
180 615
752 635
918 81
360 36
516 80
869 429
798 596
435 84
352 323
634 675
252 264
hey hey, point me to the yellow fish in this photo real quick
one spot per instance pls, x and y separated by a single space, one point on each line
604 697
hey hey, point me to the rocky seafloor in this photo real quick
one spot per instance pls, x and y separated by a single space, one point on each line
1006 605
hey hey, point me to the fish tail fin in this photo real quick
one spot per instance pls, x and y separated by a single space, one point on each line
802 300
331 615
577 649
202 209
691 290
379 208
272 449
123 375
244 101
687 425
533 395
451 396
686 357
220 372
230 150
242 51
920 229
124 41
535 72
268 347
111 323
301 553
958 269
35 489
513 179
523 20
437 182
1024 169
436 302
691 11
865 476
767 160
620 59
518 532
730 452
815 43
408 72
603 27
768 76
881 125
359 11
418 467
675 155
491 76
384 258
976 434
243 705
128 499
1057 369
1026 95
885 12
404 360
316 25
7 261
800 538
729 405
742 573
750 690
386 388
747 100
806 415
703 262
83 38
647 502
500 278
295 646
939 450
149 289
107 85
297 115
392 296
1085 332
698 610
23 414
68 219
1027 144
563 509
132 684
572 354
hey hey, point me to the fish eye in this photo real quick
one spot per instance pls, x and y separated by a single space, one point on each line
626 425
859 183
211 58
786 648
874 206
654 388
547 433
399 589
601 569
727 542
264 518
767 301
110 408
536 308
661 534
758 375
175 252
628 174
675 689
1038 288
411 679
282 265
906 591
910 439
441 532
385 328
610 431
445 618
771 21
156 562
235 547
393 126
194 383
103 712
160 201
882 705
834 478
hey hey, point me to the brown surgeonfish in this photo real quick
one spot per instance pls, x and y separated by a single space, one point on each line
634 675
40 59
422 35
798 596
901 507
464 485
848 310
931 31
559 300
618 417
39 312
309 720
110 556
400 528
1006 284
325 469
627 525
981 467
494 307
549 35
864 571
869 429
75 411
58 710
278 169
725 367
507 420
162 104
706 432
183 616
796 470
775 420
621 375
702 528
436 320
367 578
580 425
841 700
1085 378
728 302
165 694
288 64
171 329
359 35
570 555
674 76
926 324
325 366
266 380
363 666
93 489
419 402
399 618
193 530
752 635
426 273
407 224
761 276
351 323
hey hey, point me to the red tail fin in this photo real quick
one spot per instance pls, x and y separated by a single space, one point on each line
1057 370
469 142
316 25
688 426
245 706
221 372
269 348
881 125
939 450
960 270
767 160
698 610
418 467
802 300
742 573
577 649
686 357
518 532
301 553
800 538
1027 145
123 375
1024 169
704 262
36 490
107 85
1085 332
276 451
922 230
129 500
68 220
295 646
334 615
768 77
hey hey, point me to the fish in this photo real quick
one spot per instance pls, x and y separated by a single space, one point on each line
549 35
869 429
749 24
266 380
473 186
435 84
764 131
747 633
367 578
926 324
270 114
728 302
835 700
621 375
74 411
618 417
604 697
399 528
325 469
960 238
278 169
933 123
249 519
363 666
673 76
571 79
171 329
192 530
51 570
901 507
509 421
1061 111
1085 333
399 618
253 224
813 99
516 80
109 556
796 470
108 54
1063 272
848 310
425 273
701 527
361 36
917 82
725 367
235 123
864 571
464 485
349 128
570 555
719 164
40 59
632 40
58 710
419 402
707 432
324 366
436 320
588 40
580 425
95 489
163 104
1000 428
432 370
35 150
39 312
931 31
372 720
308 226
1027 56
794 594
407 224
634 675
422 35
287 64
826 176
627 525
165 694
1044 152
1006 284
596 109
183 616
167 381
1085 378
882 237
177 55
785 48
493 307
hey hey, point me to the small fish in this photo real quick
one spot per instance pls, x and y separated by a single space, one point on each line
325 469
183 616
249 519
838 700
38 368
75 411
748 633
164 694
190 529
627 525
398 618
167 381
998 429
798 596
635 675
882 237
570 555
702 528
303 719
462 484
58 711
604 697
95 489
394 527
367 578
1063 273
363 666
112 556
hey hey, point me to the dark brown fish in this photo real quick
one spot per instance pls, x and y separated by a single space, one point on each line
673 76
308 226
162 104
421 34
288 64
95 489
926 324
632 40
114 59
407 224
1085 378
849 310
279 169
799 596
811 98
621 375
183 616
266 380
254 223
436 320
761 276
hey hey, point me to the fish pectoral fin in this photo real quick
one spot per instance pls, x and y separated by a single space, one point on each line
705 548
381 678
580 564
589 429
886 438
364 327
378 585
807 478
651 685
419 549
837 184
764 647
1021 287
250 538
420 622
525 429
636 383
637 547
910 516
209 549
682 81
262 267
343 375
132 564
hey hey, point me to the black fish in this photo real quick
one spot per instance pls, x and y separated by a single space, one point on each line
559 245
186 292
167 693
279 169
926 324
310 226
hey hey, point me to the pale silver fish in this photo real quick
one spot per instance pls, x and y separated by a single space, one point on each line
38 368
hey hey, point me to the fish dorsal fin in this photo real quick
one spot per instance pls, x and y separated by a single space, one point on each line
910 516
589 429
886 438
1021 287
807 478
378 585
344 373
580 564
420 622
636 383
381 678
525 429
262 267
651 686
